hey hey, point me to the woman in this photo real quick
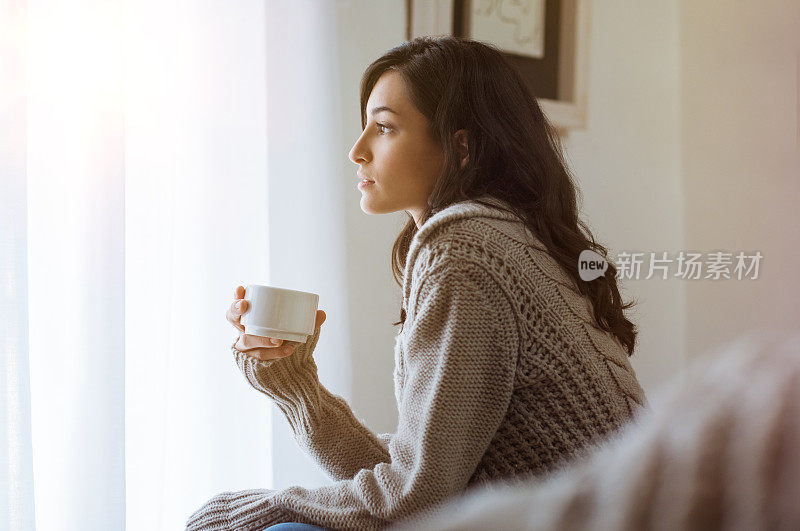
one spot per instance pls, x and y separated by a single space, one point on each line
507 364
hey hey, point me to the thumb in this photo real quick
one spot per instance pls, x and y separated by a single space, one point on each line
321 317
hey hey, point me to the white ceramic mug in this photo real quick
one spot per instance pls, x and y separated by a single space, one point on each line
279 313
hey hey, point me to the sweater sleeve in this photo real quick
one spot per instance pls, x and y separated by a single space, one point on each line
323 424
719 450
460 359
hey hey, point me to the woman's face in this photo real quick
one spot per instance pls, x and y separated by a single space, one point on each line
396 151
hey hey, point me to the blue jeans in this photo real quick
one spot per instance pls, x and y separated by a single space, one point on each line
293 526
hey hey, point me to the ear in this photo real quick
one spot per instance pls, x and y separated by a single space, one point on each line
461 137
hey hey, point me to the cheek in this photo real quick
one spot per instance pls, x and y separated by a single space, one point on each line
401 164
412 165
429 166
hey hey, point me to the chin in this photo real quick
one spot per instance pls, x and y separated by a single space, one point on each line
368 208
370 205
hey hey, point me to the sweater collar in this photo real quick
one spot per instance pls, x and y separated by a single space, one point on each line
461 210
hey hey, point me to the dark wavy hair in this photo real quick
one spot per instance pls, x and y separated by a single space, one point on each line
515 155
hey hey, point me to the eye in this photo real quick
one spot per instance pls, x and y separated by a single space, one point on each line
384 126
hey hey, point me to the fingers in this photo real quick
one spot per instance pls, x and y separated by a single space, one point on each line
264 354
234 313
238 307
260 347
251 341
234 320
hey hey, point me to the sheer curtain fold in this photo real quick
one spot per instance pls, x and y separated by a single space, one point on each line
153 155
16 459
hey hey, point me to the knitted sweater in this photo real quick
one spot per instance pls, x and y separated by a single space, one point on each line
718 450
500 371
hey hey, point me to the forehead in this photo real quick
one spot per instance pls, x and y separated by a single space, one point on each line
390 91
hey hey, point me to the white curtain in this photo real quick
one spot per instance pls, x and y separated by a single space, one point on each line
153 156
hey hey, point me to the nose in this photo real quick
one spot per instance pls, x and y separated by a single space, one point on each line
355 151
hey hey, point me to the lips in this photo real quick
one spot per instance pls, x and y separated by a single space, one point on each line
364 178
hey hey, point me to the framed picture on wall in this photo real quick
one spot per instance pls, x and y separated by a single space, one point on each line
548 40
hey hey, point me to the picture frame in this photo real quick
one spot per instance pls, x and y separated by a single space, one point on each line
558 80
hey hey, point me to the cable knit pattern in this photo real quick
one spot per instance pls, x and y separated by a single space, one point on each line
500 372
718 450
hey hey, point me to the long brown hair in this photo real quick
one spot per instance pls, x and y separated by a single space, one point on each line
515 155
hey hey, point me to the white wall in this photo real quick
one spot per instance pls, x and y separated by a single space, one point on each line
741 160
627 164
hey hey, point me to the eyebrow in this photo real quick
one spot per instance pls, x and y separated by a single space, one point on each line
376 110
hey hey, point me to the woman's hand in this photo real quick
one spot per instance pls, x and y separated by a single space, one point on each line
262 348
